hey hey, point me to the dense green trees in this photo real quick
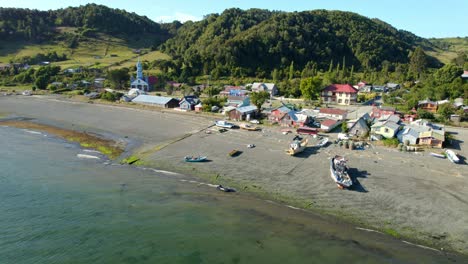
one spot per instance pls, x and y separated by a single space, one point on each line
118 78
16 23
259 98
311 87
260 42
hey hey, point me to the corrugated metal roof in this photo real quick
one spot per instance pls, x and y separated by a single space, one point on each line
247 109
151 99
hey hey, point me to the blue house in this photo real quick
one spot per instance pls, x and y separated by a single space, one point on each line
188 103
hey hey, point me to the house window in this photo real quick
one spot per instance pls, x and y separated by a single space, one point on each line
346 101
386 130
339 101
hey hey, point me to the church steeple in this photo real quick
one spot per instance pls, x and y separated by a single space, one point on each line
139 67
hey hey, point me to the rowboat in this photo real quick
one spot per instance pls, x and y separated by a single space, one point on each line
441 156
194 159
452 156
249 127
297 146
224 124
339 172
234 153
323 142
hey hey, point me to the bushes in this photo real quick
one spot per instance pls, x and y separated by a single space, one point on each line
108 96
391 142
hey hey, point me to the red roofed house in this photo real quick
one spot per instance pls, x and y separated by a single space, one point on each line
332 113
343 94
328 124
378 112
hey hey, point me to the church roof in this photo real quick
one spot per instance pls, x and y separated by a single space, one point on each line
139 82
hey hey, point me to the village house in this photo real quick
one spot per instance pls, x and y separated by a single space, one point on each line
392 86
358 128
378 112
234 90
284 116
199 107
243 113
188 103
434 138
328 125
160 101
409 135
269 87
387 129
428 105
343 94
238 101
332 113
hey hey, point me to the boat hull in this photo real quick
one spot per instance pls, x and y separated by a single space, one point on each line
197 159
294 151
452 156
343 181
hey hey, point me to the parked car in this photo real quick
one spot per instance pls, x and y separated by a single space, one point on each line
254 121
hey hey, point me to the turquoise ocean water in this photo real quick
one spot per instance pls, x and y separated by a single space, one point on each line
58 208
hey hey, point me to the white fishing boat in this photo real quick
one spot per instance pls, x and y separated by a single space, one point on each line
323 142
452 156
339 172
440 156
224 124
297 146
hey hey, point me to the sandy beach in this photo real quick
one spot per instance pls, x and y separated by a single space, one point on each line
412 195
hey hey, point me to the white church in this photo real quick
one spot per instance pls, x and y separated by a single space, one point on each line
141 81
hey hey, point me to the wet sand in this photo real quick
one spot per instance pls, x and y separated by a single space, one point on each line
403 194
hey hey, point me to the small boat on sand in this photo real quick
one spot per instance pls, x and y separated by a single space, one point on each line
251 145
323 142
224 124
234 153
249 127
297 146
452 156
225 189
194 158
440 156
339 172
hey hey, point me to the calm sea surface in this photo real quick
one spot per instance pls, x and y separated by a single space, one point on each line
58 208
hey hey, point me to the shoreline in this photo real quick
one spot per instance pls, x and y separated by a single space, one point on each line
278 177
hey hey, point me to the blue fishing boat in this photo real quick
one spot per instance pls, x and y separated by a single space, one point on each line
194 159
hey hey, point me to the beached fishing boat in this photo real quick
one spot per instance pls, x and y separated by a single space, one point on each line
225 189
452 156
249 127
234 153
224 124
297 146
323 142
194 158
339 172
441 156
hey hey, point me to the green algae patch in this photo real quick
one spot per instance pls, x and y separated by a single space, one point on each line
107 147
132 160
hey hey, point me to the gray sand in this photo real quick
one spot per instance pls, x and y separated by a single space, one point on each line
412 193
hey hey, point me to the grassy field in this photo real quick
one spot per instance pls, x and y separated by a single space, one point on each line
447 48
99 51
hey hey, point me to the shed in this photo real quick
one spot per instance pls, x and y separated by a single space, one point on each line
243 113
166 102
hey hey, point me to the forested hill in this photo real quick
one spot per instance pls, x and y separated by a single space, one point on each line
254 40
34 25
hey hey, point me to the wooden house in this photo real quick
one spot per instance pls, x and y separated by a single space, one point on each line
243 113
428 105
343 94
